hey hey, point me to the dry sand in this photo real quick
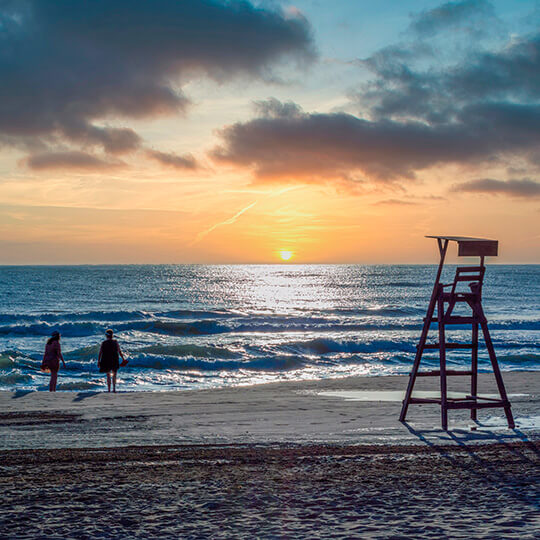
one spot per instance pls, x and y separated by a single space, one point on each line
291 460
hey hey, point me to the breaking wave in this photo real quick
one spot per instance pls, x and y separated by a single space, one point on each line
213 326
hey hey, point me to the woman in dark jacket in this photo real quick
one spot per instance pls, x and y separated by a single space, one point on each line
108 360
51 359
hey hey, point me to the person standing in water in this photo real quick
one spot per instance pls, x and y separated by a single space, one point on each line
108 360
51 359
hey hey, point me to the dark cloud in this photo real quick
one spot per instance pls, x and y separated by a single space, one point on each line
187 161
515 188
419 109
113 140
453 15
400 90
320 147
73 160
273 108
67 65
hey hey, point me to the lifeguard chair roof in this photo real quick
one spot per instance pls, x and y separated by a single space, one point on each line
469 246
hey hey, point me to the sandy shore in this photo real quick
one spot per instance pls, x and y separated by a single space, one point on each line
313 491
317 459
360 410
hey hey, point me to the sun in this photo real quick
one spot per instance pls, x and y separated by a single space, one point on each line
286 255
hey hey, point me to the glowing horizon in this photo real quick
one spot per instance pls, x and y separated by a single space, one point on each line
296 134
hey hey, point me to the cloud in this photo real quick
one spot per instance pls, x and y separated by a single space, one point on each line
425 105
438 94
394 202
187 161
273 108
320 147
453 15
67 66
514 188
113 140
73 160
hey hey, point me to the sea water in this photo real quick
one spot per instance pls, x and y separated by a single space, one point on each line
208 326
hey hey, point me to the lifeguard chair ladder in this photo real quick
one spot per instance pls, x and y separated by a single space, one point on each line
444 302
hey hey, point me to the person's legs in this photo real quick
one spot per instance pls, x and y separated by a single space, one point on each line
52 382
114 381
108 382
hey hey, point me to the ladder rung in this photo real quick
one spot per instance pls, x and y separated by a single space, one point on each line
450 346
475 405
469 278
437 372
463 269
455 320
458 296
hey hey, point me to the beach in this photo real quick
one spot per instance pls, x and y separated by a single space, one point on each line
257 222
311 459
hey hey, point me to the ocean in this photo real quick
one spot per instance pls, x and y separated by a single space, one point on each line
209 326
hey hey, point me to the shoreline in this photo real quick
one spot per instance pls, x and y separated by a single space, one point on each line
353 410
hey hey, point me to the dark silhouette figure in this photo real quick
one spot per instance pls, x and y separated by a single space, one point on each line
51 359
108 360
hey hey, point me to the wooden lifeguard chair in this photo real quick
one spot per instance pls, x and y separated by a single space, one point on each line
444 299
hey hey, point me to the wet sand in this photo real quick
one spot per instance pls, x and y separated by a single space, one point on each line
317 459
355 410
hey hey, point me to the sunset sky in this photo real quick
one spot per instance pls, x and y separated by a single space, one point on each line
228 132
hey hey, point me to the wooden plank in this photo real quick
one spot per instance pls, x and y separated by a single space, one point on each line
476 405
463 269
479 248
436 373
456 319
469 246
450 346
442 359
496 369
474 366
476 277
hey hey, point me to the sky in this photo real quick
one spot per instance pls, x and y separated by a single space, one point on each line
252 132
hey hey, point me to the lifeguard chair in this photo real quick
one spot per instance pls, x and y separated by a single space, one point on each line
466 289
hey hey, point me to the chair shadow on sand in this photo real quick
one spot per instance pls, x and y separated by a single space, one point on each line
461 437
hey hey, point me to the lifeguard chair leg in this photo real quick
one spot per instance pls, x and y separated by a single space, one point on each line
474 367
418 357
442 360
443 247
497 373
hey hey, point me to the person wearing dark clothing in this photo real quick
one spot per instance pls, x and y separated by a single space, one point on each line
109 359
51 359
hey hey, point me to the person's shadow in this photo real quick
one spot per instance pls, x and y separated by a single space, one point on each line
20 393
83 395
